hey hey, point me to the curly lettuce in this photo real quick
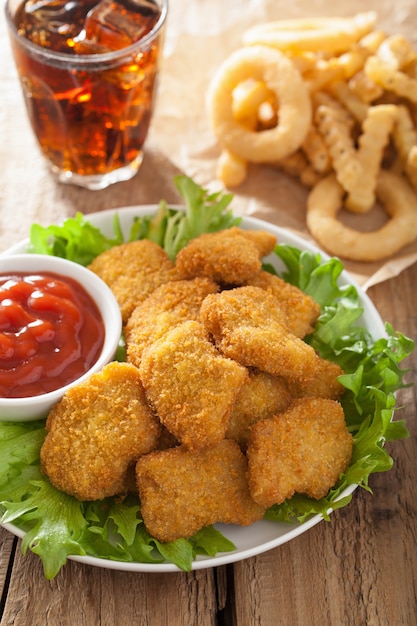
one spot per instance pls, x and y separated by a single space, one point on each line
79 241
57 526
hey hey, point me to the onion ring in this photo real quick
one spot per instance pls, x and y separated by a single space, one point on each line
325 34
284 80
399 201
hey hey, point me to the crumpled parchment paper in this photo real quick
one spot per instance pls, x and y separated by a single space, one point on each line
204 35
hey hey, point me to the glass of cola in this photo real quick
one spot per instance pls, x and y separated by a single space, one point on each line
88 71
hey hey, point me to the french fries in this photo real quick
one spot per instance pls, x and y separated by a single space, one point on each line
362 87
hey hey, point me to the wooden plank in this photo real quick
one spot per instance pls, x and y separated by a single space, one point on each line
7 550
342 572
83 595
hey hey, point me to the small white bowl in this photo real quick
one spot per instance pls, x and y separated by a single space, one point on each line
36 407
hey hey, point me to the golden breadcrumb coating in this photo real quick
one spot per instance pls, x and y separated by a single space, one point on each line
181 491
170 304
324 383
96 431
132 271
247 325
263 240
260 397
190 385
301 311
229 256
302 450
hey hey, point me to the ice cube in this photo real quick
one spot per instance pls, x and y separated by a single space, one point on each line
117 24
51 23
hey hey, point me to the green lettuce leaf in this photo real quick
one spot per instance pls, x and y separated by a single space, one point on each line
58 526
172 229
78 240
372 376
210 541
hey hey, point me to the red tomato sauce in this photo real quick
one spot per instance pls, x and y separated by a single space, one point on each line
51 332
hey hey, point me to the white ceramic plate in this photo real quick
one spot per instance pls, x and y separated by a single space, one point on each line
263 535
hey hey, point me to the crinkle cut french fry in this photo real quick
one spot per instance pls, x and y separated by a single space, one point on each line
316 151
396 52
335 123
293 164
376 129
297 165
324 73
364 87
353 60
354 104
411 167
394 80
404 134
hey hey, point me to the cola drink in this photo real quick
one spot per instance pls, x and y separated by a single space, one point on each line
88 72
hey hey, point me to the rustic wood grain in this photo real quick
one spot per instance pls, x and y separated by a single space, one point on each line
90 596
7 550
359 569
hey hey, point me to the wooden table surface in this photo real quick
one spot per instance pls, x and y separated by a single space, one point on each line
360 569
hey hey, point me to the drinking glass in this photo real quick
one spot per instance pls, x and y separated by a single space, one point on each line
88 72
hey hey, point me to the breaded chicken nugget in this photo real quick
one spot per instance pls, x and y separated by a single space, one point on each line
301 311
96 431
181 491
132 271
263 240
261 397
170 304
324 383
229 256
247 325
303 450
190 385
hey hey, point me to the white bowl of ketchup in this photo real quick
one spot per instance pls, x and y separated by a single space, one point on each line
59 323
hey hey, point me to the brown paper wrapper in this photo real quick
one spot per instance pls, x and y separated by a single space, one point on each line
196 44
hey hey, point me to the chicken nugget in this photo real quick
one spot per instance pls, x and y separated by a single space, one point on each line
190 385
181 491
324 383
170 304
132 271
248 325
263 240
260 397
229 256
302 450
96 431
301 311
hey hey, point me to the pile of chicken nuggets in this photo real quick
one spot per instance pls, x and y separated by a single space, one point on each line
221 409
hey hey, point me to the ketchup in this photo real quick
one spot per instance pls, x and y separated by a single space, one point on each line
51 333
